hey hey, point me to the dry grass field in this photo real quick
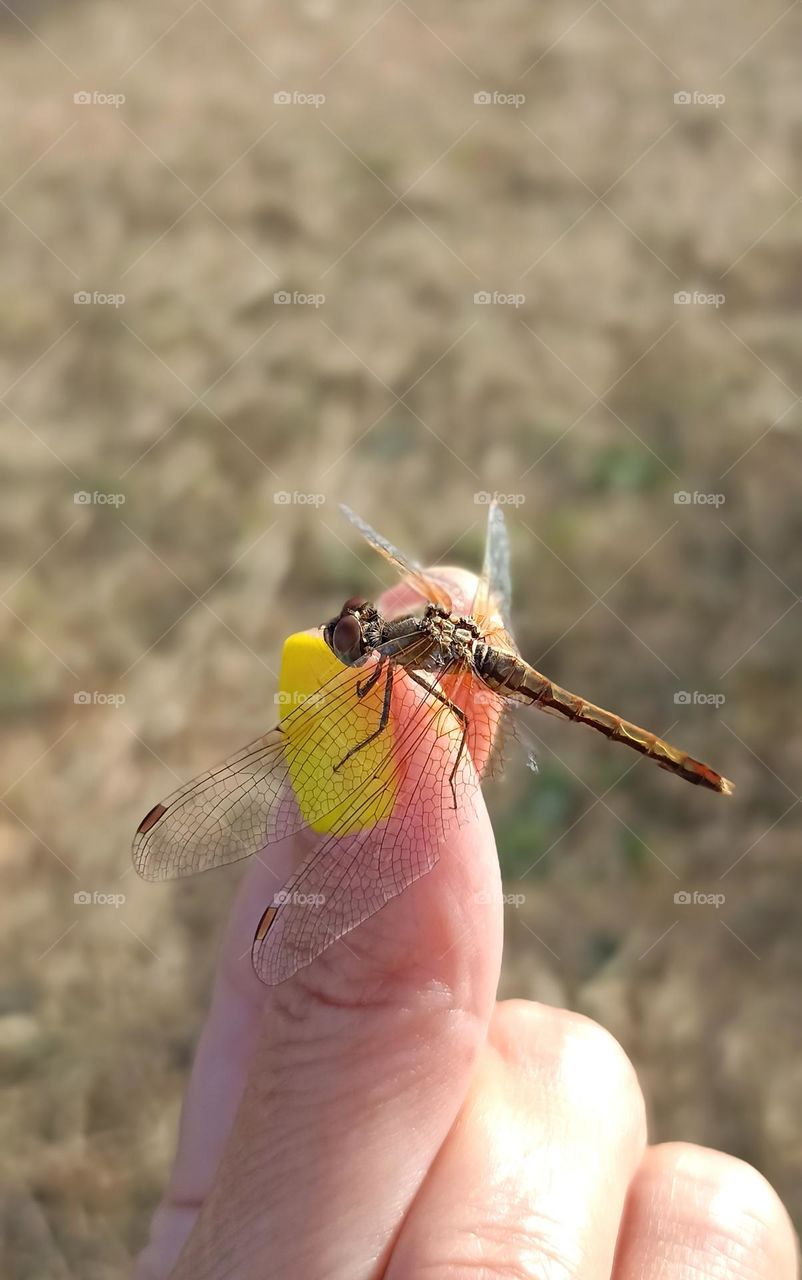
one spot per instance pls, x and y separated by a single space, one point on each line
576 197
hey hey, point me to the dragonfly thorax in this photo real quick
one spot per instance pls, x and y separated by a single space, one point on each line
429 641
454 636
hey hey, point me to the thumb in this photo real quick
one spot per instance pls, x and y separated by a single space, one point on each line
316 1108
358 1069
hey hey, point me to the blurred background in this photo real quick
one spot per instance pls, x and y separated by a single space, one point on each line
262 258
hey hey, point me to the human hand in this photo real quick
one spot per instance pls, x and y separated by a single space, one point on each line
381 1115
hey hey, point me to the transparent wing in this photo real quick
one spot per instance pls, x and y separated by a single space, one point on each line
494 589
351 874
428 587
221 816
251 799
485 712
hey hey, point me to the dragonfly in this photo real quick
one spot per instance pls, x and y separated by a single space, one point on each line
388 724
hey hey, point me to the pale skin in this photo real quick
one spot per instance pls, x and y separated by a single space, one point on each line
382 1115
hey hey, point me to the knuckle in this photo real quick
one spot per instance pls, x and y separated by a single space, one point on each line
728 1208
577 1066
539 1249
578 1055
598 1047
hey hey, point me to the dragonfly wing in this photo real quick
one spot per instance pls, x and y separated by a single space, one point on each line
341 884
220 816
429 588
494 589
351 874
278 784
485 711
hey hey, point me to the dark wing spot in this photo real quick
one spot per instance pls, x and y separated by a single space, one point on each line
150 819
265 923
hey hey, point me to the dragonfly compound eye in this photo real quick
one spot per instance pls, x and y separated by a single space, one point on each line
347 638
354 603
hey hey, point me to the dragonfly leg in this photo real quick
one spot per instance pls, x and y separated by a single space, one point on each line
460 715
385 714
365 686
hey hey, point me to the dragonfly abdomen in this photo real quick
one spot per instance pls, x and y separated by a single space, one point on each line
511 675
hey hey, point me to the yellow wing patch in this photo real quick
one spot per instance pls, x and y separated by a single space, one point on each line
320 736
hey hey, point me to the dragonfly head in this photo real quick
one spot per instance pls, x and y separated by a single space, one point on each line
354 632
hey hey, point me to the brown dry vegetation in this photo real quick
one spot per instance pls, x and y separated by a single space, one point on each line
402 397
